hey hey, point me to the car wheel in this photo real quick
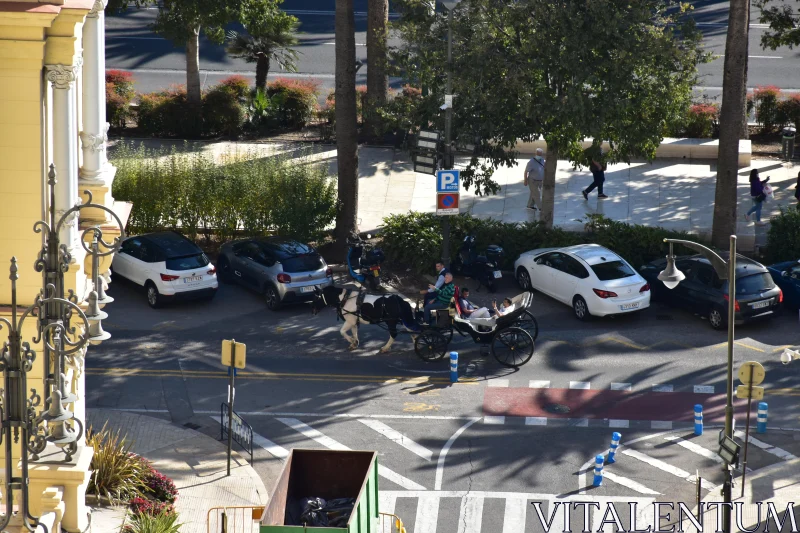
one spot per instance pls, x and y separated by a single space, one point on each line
154 299
580 308
224 270
524 279
272 298
716 317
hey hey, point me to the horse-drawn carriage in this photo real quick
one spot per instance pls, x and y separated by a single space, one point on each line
510 338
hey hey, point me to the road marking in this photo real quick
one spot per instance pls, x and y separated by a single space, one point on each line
620 386
470 515
582 385
357 44
666 467
660 424
784 392
619 423
704 389
625 482
774 450
578 422
497 383
514 515
387 501
662 388
696 448
427 513
443 453
495 420
311 433
397 437
535 421
538 384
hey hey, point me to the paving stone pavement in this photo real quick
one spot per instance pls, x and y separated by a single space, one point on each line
195 462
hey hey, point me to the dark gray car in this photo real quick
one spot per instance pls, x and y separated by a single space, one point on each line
282 269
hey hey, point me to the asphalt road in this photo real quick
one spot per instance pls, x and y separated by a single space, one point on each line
157 64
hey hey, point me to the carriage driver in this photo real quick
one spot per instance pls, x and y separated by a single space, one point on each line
443 296
430 294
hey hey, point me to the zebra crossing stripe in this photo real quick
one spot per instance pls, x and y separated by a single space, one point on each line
538 384
625 482
696 448
497 383
515 514
399 438
427 513
311 433
774 450
471 514
666 467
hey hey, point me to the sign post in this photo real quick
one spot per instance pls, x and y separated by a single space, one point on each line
233 356
448 190
750 374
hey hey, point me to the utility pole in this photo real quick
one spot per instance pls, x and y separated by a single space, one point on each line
448 131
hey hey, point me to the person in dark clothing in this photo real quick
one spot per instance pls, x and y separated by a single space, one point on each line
598 173
797 191
441 271
757 194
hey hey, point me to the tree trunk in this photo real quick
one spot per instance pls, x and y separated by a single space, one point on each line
262 70
346 130
549 185
730 124
377 79
193 94
745 134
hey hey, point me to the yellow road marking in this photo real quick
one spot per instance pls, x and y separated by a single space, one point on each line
743 345
783 392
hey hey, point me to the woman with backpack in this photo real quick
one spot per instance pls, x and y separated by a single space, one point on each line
757 194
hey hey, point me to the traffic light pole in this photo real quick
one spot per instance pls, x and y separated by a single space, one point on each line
448 134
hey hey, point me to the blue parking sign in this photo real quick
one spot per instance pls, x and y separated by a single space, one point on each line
447 180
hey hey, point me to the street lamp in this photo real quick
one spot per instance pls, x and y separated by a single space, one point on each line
64 330
789 355
671 277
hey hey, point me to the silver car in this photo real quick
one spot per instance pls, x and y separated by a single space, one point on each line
283 270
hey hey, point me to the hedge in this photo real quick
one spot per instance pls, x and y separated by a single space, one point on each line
257 195
783 237
415 239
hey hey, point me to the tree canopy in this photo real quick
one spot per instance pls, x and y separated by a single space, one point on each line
783 19
564 71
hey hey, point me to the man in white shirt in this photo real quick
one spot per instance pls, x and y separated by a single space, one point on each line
534 176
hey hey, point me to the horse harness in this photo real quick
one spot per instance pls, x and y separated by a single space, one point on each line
360 295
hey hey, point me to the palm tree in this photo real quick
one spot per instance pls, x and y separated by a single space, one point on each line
270 40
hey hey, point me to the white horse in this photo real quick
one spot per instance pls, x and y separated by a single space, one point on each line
374 309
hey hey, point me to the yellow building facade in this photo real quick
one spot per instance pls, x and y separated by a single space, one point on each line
52 112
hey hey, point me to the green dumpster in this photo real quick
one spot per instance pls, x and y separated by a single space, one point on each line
329 475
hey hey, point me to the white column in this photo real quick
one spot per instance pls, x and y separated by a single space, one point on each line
65 140
94 134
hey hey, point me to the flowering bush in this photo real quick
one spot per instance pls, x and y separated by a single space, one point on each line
294 100
160 487
237 84
789 110
766 104
141 505
119 95
701 119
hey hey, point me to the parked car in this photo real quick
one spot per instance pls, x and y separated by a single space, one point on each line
786 276
593 280
283 270
168 265
702 291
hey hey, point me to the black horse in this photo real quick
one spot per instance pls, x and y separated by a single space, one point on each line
372 309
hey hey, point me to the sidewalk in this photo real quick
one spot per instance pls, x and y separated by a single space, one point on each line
194 461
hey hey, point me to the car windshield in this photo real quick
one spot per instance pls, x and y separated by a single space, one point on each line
302 263
753 283
188 262
612 270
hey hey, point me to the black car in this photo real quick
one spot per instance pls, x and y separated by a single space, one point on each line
703 292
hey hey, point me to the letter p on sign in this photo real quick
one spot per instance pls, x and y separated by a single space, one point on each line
447 181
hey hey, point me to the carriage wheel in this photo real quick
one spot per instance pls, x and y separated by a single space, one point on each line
528 322
512 347
431 345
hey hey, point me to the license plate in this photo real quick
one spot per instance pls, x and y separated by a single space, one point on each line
307 289
760 305
498 274
627 307
193 279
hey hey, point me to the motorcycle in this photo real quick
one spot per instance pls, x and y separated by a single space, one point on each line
364 261
484 269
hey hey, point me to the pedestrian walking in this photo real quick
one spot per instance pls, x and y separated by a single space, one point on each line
757 194
534 177
599 176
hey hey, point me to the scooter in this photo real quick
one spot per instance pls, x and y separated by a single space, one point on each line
484 269
364 261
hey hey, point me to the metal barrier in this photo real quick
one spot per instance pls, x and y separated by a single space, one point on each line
233 519
391 523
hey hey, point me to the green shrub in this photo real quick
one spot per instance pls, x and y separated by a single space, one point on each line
700 121
783 237
238 84
295 101
164 522
403 112
789 111
116 473
119 95
415 239
223 114
766 104
189 192
165 113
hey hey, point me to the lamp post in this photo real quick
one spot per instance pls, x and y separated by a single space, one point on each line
64 330
671 277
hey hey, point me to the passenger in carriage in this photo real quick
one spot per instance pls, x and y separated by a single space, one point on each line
443 296
506 308
468 309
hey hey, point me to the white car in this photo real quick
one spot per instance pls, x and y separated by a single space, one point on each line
592 279
168 265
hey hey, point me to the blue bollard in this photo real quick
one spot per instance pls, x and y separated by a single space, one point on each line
453 367
761 421
698 419
598 470
615 437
